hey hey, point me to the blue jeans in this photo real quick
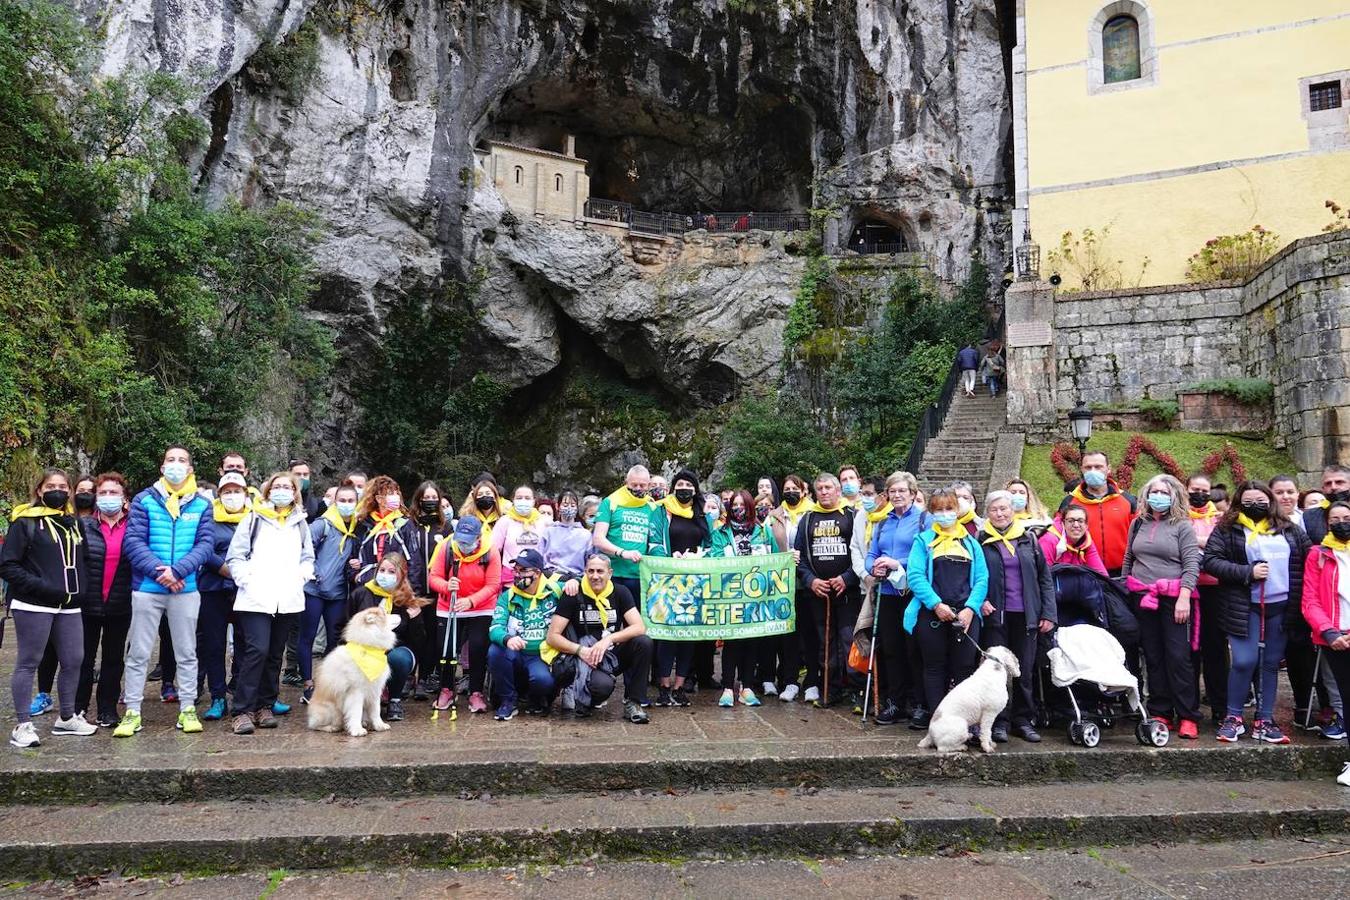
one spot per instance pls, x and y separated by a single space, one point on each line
507 665
318 609
401 662
1244 652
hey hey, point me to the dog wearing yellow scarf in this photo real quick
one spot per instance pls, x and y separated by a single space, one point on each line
348 683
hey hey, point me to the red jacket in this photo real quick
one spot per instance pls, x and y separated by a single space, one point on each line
480 581
1321 593
1108 521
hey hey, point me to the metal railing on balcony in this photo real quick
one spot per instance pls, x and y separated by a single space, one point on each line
645 222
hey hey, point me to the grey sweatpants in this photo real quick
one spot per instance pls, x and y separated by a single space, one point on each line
32 630
146 611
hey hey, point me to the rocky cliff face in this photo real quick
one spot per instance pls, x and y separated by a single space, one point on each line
369 112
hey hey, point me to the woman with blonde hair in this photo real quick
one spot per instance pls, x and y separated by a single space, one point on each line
1161 568
1027 507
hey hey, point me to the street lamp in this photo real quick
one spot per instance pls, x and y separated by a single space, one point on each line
1080 423
1028 258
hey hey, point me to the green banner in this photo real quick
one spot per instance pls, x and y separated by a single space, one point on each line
710 598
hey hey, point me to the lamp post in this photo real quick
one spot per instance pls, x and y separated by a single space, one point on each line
1028 257
1080 423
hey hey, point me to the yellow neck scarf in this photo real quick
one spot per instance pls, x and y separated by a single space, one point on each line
174 497
949 542
533 598
1079 550
267 511
675 508
386 522
461 558
1208 511
369 659
873 518
966 519
624 497
1255 529
524 520
816 507
1015 531
386 597
601 599
34 511
224 515
796 511
345 528
1331 542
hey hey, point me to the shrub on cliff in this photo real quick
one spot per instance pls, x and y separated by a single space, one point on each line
1232 256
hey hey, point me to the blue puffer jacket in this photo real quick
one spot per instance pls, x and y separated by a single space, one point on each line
221 535
154 539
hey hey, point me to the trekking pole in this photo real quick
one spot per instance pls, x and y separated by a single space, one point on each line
875 596
1261 645
450 649
1312 691
825 694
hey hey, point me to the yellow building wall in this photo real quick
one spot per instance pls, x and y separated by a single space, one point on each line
1227 89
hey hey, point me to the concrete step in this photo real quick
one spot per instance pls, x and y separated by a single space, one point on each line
446 830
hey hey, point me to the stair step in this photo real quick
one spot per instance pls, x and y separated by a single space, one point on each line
266 833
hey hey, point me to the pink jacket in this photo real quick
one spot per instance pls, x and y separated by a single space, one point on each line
1203 528
1090 557
1321 593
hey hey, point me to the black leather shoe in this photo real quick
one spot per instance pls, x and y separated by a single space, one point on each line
919 720
889 715
999 734
1029 734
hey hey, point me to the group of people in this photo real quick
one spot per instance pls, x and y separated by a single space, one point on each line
542 593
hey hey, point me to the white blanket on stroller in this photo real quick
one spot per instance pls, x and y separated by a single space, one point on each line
1089 653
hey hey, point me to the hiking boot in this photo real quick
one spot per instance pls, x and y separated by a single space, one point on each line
444 700
477 702
395 711
633 712
748 697
663 697
216 711
24 735
506 712
1231 729
1268 733
188 723
168 693
1334 730
889 715
42 703
243 724
789 693
74 725
678 697
130 724
264 718
918 720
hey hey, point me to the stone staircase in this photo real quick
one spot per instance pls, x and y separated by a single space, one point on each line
964 449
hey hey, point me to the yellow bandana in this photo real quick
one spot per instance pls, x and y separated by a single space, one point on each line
387 598
816 507
966 519
675 508
601 599
267 511
1208 511
386 523
524 520
346 529
371 660
949 542
461 558
1255 529
174 498
1331 542
33 511
224 515
1015 531
624 497
872 519
796 511
533 598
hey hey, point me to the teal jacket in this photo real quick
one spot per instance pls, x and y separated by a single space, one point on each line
919 570
724 543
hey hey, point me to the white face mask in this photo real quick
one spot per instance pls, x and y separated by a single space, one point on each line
964 506
233 501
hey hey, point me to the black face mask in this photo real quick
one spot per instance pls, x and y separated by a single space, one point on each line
761 513
1255 511
84 500
485 504
738 514
684 495
1339 496
1341 530
657 493
523 582
1199 499
641 492
429 506
792 498
55 499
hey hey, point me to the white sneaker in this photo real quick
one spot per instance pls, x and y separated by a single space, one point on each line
812 695
789 693
24 735
74 725
770 689
1344 777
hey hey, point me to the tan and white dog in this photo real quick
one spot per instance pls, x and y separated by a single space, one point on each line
975 701
351 677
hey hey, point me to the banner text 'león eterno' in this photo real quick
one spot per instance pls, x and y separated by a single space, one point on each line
724 598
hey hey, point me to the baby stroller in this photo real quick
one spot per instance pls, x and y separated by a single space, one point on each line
1096 626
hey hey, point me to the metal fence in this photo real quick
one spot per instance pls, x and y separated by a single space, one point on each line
645 222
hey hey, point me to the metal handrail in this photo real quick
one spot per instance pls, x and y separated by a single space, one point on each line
647 222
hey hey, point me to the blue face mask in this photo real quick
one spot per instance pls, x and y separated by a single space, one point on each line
945 519
1094 478
523 507
869 503
386 580
175 473
1019 502
1160 502
109 506
281 497
346 510
849 490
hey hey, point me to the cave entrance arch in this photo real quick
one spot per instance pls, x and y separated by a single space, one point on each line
872 235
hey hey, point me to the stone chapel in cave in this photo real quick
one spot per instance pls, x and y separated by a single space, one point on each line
538 182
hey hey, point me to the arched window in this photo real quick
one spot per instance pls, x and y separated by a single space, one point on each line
557 183
1120 50
520 175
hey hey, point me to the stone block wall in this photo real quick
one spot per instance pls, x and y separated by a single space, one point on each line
1219 414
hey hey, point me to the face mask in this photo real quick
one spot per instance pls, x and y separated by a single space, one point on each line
684 495
657 493
1198 499
1339 496
1160 502
175 473
346 510
964 506
281 496
1019 502
945 519
55 499
386 580
430 506
84 500
485 504
738 514
792 498
640 492
110 506
233 502
1094 478
522 507
849 490
523 582
761 513
304 484
1255 511
567 514
1341 530
869 503
393 502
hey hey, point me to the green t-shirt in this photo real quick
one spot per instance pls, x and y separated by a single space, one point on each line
632 528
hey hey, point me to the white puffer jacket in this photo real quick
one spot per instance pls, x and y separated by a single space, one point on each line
271 574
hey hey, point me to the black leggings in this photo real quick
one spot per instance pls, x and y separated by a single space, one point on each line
1167 652
738 664
109 632
472 630
679 654
1212 658
948 658
893 648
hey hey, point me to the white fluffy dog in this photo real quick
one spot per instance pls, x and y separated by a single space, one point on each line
977 700
345 694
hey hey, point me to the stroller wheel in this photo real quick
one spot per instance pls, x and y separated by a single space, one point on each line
1092 735
1076 733
1152 733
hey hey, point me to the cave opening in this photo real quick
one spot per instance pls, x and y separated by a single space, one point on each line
662 157
873 230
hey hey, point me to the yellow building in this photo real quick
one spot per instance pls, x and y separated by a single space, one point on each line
538 182
1174 121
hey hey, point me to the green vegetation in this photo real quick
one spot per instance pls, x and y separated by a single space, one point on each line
1188 448
804 315
1251 391
131 315
274 880
1162 413
1233 256
775 437
1086 263
288 66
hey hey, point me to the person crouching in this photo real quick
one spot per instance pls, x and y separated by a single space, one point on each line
519 627
596 635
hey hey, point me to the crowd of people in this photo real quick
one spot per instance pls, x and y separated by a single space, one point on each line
241 586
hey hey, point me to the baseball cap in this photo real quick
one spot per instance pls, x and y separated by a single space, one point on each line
529 559
467 531
231 478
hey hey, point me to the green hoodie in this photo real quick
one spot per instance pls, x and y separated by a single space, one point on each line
520 615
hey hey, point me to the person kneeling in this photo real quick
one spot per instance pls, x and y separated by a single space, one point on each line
519 626
589 649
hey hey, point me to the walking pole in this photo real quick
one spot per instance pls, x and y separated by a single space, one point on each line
1312 690
1260 647
875 596
450 646
825 694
